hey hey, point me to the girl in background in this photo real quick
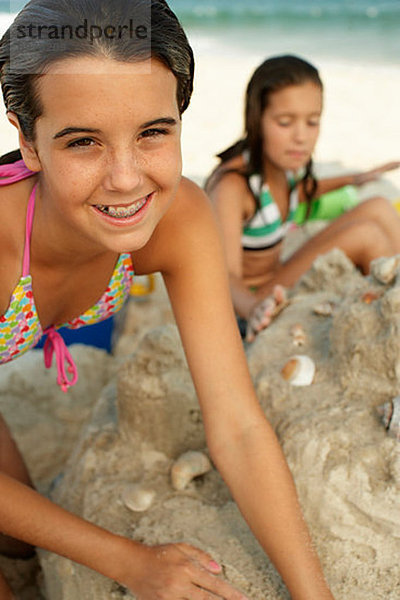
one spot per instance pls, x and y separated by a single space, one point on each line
260 181
95 194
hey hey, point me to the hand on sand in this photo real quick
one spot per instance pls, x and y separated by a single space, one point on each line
176 571
265 311
374 174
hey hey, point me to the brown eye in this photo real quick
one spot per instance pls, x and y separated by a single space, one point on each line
151 133
81 143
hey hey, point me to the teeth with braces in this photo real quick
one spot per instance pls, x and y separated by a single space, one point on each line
122 212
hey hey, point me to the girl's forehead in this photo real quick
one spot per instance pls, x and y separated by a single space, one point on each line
90 87
306 95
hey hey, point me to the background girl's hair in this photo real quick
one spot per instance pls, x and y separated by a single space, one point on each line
24 57
272 75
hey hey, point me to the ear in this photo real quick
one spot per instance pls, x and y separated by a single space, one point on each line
28 151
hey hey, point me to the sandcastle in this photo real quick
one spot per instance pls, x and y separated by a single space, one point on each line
346 466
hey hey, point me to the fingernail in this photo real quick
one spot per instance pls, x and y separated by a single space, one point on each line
214 565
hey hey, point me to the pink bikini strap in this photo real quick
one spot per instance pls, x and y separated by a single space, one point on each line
14 172
28 232
11 173
55 343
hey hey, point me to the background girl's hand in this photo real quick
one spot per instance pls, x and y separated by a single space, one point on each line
264 312
177 571
374 174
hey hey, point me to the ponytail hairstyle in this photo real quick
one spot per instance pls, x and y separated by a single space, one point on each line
273 75
23 58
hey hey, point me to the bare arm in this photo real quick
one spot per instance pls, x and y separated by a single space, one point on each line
228 199
28 516
333 183
241 441
170 571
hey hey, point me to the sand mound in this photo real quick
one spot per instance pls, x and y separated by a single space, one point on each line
346 467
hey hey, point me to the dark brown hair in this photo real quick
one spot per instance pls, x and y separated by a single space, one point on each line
24 58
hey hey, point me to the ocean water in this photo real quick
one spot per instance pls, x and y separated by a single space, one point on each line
349 30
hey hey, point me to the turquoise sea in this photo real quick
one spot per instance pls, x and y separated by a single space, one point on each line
354 30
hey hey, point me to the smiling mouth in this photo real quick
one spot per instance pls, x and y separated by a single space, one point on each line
125 211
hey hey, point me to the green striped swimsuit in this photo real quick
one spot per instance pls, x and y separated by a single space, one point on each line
265 228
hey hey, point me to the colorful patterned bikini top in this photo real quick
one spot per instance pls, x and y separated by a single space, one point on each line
20 328
265 228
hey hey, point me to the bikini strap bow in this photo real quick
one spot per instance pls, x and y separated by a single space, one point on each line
55 344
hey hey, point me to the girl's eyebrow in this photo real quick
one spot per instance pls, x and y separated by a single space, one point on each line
73 130
163 121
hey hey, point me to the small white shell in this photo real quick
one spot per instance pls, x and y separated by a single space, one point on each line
137 498
390 416
299 370
324 309
298 334
188 466
385 269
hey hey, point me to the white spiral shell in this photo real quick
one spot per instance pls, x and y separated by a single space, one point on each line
385 269
188 466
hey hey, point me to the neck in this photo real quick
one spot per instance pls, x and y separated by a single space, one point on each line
272 174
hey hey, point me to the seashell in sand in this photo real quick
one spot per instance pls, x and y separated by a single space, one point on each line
390 416
280 307
384 269
299 370
188 466
370 296
298 334
324 309
137 498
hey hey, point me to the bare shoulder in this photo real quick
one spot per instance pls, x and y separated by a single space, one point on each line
191 203
227 178
229 191
189 218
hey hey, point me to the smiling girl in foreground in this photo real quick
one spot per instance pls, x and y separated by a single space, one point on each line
99 195
260 181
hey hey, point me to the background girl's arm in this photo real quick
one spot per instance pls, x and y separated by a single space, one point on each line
332 183
241 441
227 197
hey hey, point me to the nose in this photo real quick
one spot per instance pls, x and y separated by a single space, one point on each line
300 132
123 172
